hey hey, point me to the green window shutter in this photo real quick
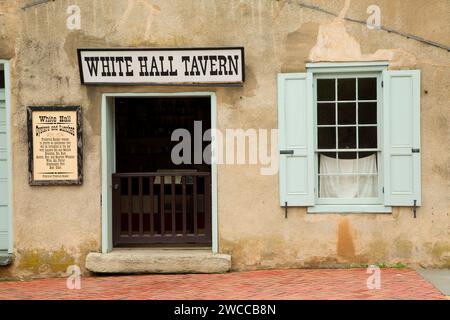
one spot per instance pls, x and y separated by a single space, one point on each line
4 194
295 124
401 111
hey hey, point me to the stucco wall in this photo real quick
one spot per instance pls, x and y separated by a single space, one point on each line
57 226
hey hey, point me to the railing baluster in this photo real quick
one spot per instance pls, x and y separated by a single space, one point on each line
162 209
152 221
130 207
194 199
174 232
184 204
207 205
141 207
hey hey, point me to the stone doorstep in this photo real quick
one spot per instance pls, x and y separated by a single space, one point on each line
132 261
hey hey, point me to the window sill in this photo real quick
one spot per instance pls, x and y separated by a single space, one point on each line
350 209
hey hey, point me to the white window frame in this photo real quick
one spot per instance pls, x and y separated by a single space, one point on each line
350 70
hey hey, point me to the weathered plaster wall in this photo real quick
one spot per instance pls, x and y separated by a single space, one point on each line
56 226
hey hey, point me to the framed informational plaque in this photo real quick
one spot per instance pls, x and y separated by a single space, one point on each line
55 145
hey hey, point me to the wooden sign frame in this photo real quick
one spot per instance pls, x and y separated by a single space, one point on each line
79 147
163 66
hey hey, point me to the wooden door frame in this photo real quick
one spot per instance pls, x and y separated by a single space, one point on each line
109 159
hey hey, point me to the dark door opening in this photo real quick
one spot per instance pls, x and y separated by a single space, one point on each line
155 201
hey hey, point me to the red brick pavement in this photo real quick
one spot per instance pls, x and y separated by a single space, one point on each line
268 284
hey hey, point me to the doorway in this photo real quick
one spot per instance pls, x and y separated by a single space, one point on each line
156 202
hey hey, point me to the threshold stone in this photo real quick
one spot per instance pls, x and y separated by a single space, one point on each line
139 261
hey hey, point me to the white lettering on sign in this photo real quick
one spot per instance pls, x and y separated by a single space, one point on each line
162 66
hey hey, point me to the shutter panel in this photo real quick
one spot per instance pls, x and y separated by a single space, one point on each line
4 194
401 110
295 124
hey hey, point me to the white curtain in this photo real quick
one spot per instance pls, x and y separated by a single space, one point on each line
347 186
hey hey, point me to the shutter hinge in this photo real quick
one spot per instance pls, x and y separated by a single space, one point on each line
382 84
101 200
285 210
414 208
383 189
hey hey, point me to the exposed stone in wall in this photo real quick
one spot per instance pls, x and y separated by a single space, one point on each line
10 29
334 43
34 262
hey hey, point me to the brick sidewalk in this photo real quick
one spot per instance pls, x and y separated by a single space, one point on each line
271 284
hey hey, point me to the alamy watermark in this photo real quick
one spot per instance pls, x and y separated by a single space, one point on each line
229 147
374 20
374 280
74 279
73 21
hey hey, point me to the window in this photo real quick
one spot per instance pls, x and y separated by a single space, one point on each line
349 137
347 153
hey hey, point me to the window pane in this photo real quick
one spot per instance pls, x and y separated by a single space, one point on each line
327 162
368 187
367 137
348 187
327 181
326 113
326 90
367 88
326 138
367 162
347 113
347 138
329 187
346 89
367 113
366 154
347 155
348 169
